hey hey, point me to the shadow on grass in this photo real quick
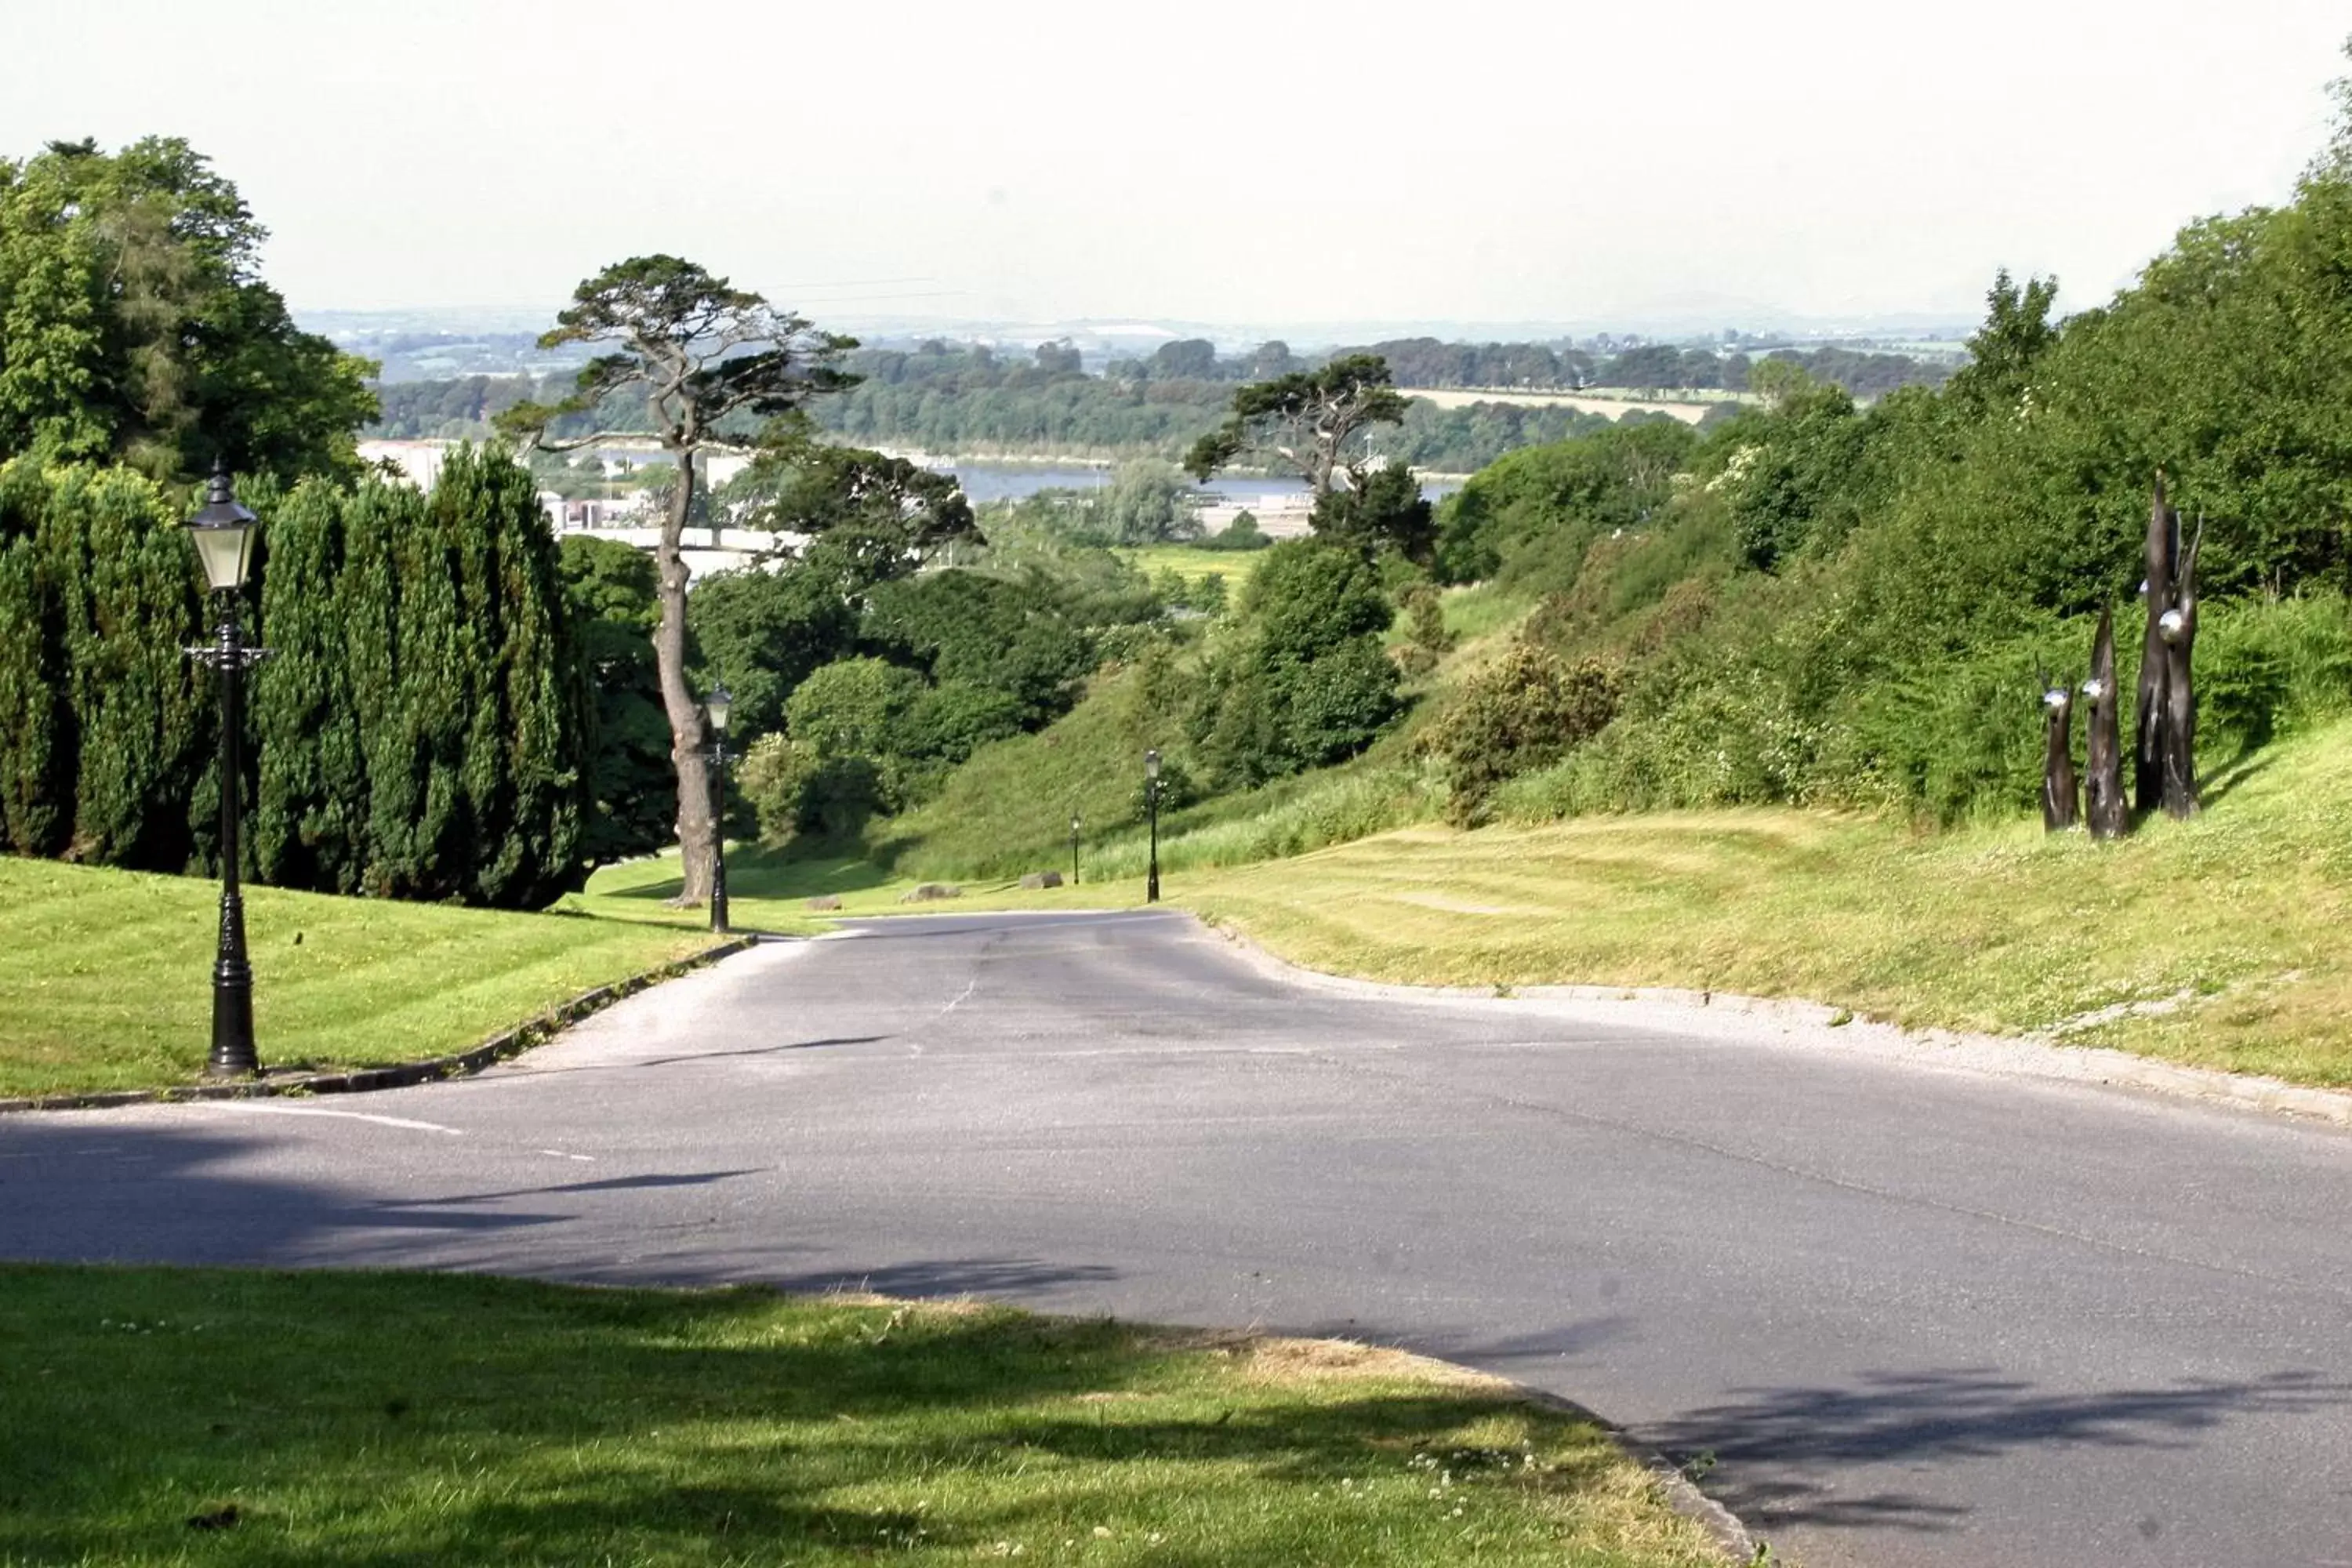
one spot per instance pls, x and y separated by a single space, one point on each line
1764 1441
420 1419
2224 782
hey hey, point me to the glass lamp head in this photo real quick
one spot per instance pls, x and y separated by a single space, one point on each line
719 704
223 533
1151 764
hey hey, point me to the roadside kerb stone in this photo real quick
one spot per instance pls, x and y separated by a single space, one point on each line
397 1075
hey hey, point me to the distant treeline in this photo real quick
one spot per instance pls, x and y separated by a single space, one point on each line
973 399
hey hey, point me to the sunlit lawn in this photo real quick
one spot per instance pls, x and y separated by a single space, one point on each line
151 1417
768 892
2227 935
106 981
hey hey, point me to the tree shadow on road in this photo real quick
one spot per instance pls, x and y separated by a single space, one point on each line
1751 1446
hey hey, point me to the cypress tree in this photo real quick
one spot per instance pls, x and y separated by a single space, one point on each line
481 855
130 603
309 817
367 607
541 746
33 814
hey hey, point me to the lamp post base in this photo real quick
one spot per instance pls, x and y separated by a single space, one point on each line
234 1055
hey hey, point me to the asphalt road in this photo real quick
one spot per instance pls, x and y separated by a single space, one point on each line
1916 1317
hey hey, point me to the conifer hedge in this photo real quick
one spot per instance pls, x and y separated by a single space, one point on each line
421 731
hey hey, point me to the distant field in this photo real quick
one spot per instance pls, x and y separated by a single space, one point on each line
1234 565
1689 407
107 980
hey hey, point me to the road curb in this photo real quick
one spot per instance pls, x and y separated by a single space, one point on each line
1737 1543
1820 1025
511 1042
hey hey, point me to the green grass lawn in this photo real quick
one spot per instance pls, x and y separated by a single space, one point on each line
155 1416
2230 932
768 892
107 980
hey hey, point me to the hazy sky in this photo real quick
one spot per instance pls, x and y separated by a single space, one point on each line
1253 162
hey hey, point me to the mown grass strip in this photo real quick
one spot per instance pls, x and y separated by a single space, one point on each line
107 980
155 1416
2217 942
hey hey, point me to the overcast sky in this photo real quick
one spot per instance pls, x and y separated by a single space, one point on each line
1262 161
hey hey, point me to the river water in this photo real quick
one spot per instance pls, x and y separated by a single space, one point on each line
1012 481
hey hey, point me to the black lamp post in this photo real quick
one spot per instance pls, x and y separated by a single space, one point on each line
1151 803
718 705
223 532
1074 849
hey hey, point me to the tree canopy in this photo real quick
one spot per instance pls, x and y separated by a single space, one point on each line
134 325
1313 422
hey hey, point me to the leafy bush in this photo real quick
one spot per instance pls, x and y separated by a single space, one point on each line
1524 712
1301 681
1242 533
1427 640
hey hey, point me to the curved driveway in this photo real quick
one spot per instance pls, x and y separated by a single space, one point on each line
1915 1317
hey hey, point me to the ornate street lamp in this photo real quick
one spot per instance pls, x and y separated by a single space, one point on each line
1151 802
223 533
1074 849
719 704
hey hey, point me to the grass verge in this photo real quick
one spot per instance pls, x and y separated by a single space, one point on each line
155 1416
2217 942
108 979
767 891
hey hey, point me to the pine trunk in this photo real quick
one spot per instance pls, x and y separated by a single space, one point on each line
697 839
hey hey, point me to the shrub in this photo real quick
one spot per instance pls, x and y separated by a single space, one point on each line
1427 640
1522 714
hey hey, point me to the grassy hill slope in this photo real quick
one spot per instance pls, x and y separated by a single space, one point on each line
2218 941
108 983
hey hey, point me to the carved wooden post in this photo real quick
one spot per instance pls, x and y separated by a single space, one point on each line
2177 629
2103 781
2061 796
2147 727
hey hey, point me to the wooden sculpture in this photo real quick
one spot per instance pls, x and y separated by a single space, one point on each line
2178 628
2103 810
2163 549
2164 738
2061 794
